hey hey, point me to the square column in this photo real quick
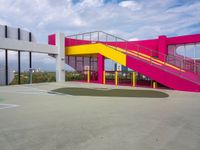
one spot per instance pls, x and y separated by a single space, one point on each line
100 68
60 58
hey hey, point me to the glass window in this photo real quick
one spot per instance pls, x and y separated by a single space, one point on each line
197 51
171 49
180 50
187 50
190 50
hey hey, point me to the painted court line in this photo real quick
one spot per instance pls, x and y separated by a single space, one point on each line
44 91
30 91
6 106
34 88
27 92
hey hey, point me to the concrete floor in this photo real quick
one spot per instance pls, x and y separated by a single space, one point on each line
36 120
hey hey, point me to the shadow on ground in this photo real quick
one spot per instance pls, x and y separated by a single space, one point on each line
111 92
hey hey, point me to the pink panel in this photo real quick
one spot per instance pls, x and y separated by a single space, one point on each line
164 77
52 39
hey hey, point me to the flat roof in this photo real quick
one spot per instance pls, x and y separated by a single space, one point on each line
32 118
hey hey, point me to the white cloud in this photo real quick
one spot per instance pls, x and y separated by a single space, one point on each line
132 5
89 3
127 19
49 16
133 39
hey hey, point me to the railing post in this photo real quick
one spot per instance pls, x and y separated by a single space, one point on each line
151 56
88 75
98 37
181 61
76 40
104 77
164 61
116 42
126 46
83 36
134 79
154 84
116 77
195 66
90 37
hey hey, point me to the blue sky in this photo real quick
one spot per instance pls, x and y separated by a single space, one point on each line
131 19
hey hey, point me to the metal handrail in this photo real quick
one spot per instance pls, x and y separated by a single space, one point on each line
180 75
82 33
182 62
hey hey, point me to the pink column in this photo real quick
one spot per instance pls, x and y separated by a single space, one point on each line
100 68
162 47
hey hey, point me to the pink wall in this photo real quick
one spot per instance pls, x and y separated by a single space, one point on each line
185 39
164 77
73 42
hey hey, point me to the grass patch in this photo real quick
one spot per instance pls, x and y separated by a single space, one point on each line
112 92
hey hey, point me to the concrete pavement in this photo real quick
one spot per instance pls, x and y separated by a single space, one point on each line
44 121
